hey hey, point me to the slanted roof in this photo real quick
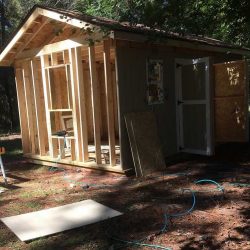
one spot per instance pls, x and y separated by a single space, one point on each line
46 25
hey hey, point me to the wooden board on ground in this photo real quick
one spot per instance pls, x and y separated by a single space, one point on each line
145 143
53 220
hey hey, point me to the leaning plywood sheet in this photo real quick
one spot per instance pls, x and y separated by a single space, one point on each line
145 143
50 221
134 151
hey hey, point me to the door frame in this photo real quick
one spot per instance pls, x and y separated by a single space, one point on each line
179 108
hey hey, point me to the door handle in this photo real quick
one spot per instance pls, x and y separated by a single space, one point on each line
179 102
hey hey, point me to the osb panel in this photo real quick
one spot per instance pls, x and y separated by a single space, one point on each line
230 122
65 32
230 79
42 36
230 102
146 150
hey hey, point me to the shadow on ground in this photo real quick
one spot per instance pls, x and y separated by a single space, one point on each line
219 220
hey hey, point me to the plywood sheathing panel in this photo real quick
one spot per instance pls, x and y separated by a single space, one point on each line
230 79
148 153
47 31
18 36
30 40
58 219
230 119
65 32
35 30
44 33
54 32
49 39
231 102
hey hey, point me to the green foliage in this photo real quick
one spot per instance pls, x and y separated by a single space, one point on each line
16 10
5 121
228 20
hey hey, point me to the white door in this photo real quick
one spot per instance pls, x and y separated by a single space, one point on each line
193 106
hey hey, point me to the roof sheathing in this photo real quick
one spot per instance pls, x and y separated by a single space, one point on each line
79 20
140 29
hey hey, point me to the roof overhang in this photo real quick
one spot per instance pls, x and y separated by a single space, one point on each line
46 16
182 43
40 16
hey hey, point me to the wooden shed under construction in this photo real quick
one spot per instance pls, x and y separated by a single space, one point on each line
82 74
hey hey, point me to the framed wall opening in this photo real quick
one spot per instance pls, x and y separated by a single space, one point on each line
78 96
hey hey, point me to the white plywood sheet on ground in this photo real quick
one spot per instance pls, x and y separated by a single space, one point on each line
50 221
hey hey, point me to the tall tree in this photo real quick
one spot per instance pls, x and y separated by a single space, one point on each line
2 22
228 20
15 11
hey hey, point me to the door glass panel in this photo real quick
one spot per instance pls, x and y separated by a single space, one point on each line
194 127
194 81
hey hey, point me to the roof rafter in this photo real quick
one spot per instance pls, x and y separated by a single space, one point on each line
63 18
19 34
30 38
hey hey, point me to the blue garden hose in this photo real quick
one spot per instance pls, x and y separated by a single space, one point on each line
168 216
219 187
141 244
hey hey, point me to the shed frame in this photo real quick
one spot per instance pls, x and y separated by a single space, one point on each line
68 64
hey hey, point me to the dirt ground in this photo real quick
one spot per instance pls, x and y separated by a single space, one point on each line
219 220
